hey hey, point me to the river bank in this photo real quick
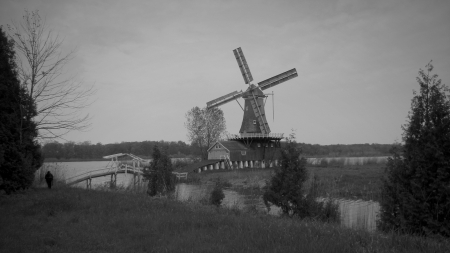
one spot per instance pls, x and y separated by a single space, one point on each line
349 181
77 220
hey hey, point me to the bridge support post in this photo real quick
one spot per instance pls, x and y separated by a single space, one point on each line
88 183
113 182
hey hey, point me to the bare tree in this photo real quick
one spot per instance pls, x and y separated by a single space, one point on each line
41 63
204 127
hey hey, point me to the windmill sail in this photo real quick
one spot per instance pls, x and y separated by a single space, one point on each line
263 125
243 66
224 99
283 77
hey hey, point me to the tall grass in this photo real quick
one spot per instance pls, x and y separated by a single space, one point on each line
76 220
351 182
57 169
345 161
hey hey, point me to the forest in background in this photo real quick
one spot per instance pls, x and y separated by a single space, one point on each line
87 151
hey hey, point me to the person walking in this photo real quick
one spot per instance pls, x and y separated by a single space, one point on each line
49 179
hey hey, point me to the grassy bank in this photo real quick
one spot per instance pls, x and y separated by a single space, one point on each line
76 220
350 181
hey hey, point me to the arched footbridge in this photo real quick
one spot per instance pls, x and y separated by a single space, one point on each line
128 164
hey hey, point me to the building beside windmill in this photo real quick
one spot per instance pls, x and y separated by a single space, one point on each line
246 151
255 145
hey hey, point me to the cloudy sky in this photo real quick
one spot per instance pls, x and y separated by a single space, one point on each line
151 61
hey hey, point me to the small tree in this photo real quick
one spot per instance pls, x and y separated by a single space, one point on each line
20 154
285 187
205 126
159 174
416 187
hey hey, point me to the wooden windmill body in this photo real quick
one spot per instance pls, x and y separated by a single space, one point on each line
255 145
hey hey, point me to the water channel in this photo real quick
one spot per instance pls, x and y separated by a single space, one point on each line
356 214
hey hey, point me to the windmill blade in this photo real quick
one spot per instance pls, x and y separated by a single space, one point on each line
243 66
224 99
283 77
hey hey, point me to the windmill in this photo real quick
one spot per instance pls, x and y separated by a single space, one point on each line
254 122
255 145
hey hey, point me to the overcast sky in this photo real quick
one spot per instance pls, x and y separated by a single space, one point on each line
152 61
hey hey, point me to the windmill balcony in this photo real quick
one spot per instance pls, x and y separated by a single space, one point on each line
254 135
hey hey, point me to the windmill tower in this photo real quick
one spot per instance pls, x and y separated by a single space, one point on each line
255 144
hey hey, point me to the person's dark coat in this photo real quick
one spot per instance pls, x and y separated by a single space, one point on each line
49 179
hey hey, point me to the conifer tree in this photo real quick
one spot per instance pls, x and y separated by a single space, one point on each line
20 154
159 174
416 188
285 187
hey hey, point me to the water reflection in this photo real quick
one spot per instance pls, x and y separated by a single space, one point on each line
356 214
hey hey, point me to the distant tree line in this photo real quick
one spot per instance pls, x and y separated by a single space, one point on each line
87 150
355 150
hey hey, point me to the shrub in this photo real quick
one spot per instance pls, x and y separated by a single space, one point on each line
314 207
217 194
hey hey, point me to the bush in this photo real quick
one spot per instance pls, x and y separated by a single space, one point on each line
316 208
217 194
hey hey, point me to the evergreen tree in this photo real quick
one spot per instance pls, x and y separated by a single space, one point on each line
20 154
285 187
159 174
416 188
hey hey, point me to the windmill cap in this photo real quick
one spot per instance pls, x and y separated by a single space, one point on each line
256 91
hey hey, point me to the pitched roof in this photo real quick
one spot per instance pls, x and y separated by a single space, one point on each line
230 145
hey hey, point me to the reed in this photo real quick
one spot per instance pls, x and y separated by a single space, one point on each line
57 169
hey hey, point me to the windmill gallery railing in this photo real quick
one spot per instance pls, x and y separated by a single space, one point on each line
114 167
255 135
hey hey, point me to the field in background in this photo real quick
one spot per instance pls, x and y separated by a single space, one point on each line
340 181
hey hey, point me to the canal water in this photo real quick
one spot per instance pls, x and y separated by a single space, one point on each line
357 214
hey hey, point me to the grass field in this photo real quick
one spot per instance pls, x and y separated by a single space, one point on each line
351 182
76 220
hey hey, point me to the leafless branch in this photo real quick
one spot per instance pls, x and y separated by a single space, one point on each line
59 101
